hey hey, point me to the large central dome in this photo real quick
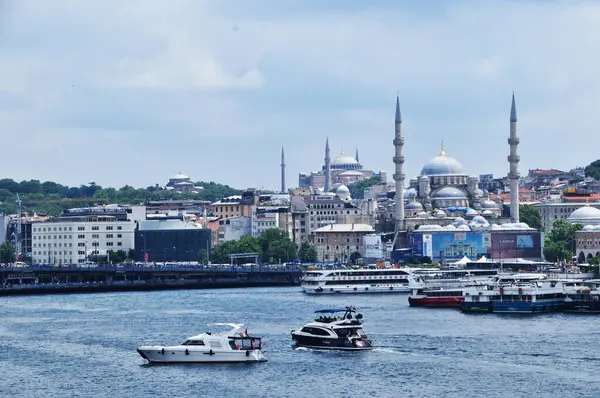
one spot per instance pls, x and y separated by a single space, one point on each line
442 165
344 159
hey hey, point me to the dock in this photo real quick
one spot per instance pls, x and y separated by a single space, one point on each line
61 280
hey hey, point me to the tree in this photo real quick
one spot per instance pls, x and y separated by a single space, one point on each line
530 216
357 189
560 241
131 254
307 253
202 256
7 253
117 257
24 257
593 170
276 246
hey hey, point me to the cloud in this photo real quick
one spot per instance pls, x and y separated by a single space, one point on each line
128 92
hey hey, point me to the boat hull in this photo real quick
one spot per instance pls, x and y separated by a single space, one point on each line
474 308
331 344
356 289
526 307
582 306
173 356
439 302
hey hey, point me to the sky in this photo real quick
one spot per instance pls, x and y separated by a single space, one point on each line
133 91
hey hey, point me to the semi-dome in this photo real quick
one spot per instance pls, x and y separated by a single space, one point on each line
449 193
344 159
585 215
442 165
489 204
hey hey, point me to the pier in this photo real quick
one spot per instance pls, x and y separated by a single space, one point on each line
56 280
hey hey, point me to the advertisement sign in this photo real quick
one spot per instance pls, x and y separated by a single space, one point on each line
415 244
372 246
526 245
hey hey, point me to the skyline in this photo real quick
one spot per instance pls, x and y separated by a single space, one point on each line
131 92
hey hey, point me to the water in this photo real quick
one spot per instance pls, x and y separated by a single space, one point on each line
84 346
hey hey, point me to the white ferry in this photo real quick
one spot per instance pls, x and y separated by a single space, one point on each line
389 280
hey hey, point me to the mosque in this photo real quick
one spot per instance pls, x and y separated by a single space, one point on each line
444 186
342 170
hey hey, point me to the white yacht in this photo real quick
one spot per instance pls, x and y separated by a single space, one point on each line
331 331
229 347
388 280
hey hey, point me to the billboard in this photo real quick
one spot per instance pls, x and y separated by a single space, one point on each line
517 244
450 245
373 247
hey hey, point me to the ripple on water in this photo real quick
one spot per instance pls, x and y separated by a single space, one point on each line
84 346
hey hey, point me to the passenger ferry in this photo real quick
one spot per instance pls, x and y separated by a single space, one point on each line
444 296
391 280
525 293
583 298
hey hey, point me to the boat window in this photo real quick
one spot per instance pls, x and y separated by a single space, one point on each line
185 342
195 342
215 344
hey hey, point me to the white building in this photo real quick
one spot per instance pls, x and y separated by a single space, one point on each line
83 233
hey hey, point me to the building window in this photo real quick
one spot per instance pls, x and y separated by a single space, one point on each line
109 228
95 228
81 228
95 236
109 236
119 227
119 243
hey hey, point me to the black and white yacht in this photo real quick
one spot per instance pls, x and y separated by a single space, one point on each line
334 329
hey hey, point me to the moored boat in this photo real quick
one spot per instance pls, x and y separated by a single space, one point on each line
583 298
390 280
230 347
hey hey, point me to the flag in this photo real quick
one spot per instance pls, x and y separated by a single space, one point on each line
246 331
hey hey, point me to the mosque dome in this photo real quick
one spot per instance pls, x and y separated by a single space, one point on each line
179 176
343 192
442 165
489 204
414 206
344 159
585 215
449 193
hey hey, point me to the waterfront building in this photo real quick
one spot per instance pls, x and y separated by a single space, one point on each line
169 239
84 234
563 207
340 242
236 205
587 243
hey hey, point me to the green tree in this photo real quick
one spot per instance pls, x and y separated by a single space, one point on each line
593 170
559 242
117 257
131 254
202 256
276 246
530 216
307 253
357 189
7 253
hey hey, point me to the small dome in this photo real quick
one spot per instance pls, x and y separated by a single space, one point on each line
489 204
459 220
342 189
422 214
180 176
449 193
488 213
479 219
344 159
588 228
471 212
450 227
414 206
440 213
585 213
463 227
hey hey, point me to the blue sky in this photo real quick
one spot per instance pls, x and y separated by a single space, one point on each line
132 91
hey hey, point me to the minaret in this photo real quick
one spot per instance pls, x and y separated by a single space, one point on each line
399 175
356 157
282 171
327 167
513 160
